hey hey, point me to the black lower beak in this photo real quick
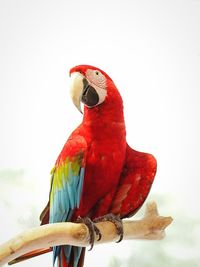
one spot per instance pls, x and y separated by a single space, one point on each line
89 96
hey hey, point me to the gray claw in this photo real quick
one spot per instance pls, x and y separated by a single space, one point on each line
117 222
93 230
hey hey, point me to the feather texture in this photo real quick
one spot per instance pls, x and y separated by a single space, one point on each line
65 194
97 172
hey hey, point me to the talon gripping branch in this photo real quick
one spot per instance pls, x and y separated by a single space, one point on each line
96 173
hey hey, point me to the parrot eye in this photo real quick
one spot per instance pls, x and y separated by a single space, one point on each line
96 72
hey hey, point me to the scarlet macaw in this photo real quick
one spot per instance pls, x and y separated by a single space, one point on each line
96 173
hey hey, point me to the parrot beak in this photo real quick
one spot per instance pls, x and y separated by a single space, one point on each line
76 89
82 91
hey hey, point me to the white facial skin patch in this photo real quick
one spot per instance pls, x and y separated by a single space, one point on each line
98 81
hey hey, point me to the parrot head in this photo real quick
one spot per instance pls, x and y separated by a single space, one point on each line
90 86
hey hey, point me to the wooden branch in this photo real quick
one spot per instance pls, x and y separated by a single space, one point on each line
151 227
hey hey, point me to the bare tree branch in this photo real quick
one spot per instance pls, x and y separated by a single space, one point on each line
151 227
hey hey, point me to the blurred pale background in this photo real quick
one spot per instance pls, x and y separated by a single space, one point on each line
151 49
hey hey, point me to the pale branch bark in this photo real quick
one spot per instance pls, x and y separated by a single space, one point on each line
151 227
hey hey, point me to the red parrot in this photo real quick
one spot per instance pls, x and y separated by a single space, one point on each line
96 173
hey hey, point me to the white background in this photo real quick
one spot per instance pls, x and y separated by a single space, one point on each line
151 49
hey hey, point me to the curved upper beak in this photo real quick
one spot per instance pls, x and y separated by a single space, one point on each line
82 91
76 89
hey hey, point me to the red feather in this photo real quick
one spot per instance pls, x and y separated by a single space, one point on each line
117 178
137 177
30 255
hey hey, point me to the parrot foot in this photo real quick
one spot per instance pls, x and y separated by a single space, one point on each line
93 230
116 221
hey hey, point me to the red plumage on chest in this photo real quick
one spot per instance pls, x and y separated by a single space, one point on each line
104 161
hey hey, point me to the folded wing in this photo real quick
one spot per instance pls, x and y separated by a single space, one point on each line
136 180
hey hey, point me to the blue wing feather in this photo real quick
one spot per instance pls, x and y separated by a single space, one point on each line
65 195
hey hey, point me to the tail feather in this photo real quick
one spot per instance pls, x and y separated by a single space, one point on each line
63 256
30 255
64 263
82 257
77 254
68 256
